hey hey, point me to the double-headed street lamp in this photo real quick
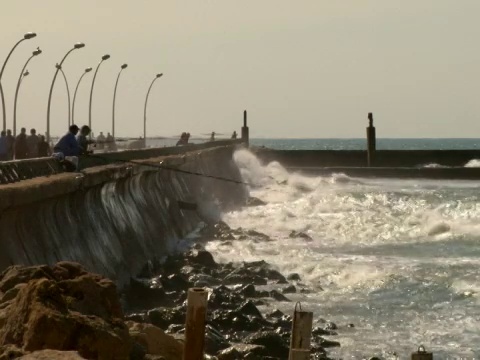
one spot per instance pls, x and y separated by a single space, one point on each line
23 73
27 36
68 92
104 57
145 109
87 70
123 67
75 47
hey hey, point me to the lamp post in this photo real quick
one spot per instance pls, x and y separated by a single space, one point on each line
145 109
27 36
104 57
75 47
123 67
23 73
87 70
68 92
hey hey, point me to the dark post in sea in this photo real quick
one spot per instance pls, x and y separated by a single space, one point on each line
371 140
245 130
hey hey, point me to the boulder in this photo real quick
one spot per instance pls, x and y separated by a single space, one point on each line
294 277
201 257
291 289
300 235
239 351
155 341
273 343
52 355
63 308
163 317
274 294
253 201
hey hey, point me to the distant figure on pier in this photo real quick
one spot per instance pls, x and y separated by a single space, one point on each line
10 145
83 141
110 142
212 137
3 146
234 135
43 147
68 145
187 138
101 141
32 144
183 139
21 148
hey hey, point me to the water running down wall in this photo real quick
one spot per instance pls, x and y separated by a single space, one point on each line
117 227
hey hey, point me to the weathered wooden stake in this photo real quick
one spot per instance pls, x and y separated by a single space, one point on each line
301 330
245 129
300 354
371 141
195 324
422 354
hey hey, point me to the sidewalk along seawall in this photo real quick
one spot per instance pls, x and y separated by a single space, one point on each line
358 158
114 219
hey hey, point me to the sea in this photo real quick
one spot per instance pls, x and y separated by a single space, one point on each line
394 263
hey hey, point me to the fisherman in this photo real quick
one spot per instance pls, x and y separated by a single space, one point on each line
183 139
21 149
212 137
3 146
43 147
110 142
32 144
10 144
68 145
101 141
234 135
83 142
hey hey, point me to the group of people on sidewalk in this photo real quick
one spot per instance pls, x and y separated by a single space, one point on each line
22 146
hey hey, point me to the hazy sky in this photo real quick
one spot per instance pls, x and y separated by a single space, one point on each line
305 68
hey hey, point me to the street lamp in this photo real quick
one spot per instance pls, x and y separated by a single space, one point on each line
75 47
87 70
27 36
23 73
68 91
145 109
123 67
104 57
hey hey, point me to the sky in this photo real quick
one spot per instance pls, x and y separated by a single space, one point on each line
302 69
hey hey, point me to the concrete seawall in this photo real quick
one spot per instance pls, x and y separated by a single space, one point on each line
115 218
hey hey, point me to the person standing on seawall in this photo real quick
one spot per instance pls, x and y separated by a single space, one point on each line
43 147
21 149
3 146
83 142
32 144
10 145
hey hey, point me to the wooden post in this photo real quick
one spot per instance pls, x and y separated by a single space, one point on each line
195 324
300 354
422 354
301 331
245 129
371 141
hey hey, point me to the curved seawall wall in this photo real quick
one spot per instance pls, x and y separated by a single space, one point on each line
116 227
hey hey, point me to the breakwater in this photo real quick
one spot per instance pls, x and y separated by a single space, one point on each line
117 217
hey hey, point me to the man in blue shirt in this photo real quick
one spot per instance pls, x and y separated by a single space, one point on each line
68 144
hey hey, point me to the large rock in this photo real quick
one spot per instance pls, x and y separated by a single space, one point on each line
52 355
273 343
155 341
62 308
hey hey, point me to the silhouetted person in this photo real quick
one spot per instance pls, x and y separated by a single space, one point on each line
67 145
101 141
212 137
82 140
3 146
21 148
32 144
110 142
10 145
43 147
187 138
182 140
234 135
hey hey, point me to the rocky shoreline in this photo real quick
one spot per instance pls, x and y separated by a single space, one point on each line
78 315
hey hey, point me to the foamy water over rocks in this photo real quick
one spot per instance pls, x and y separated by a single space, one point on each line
398 259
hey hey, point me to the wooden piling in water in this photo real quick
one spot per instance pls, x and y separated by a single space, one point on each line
245 129
299 354
422 354
371 141
301 330
195 324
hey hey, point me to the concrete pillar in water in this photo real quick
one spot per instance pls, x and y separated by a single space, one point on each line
301 331
300 354
422 354
195 324
245 130
371 141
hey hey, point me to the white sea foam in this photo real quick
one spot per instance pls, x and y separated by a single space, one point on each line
398 258
473 163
